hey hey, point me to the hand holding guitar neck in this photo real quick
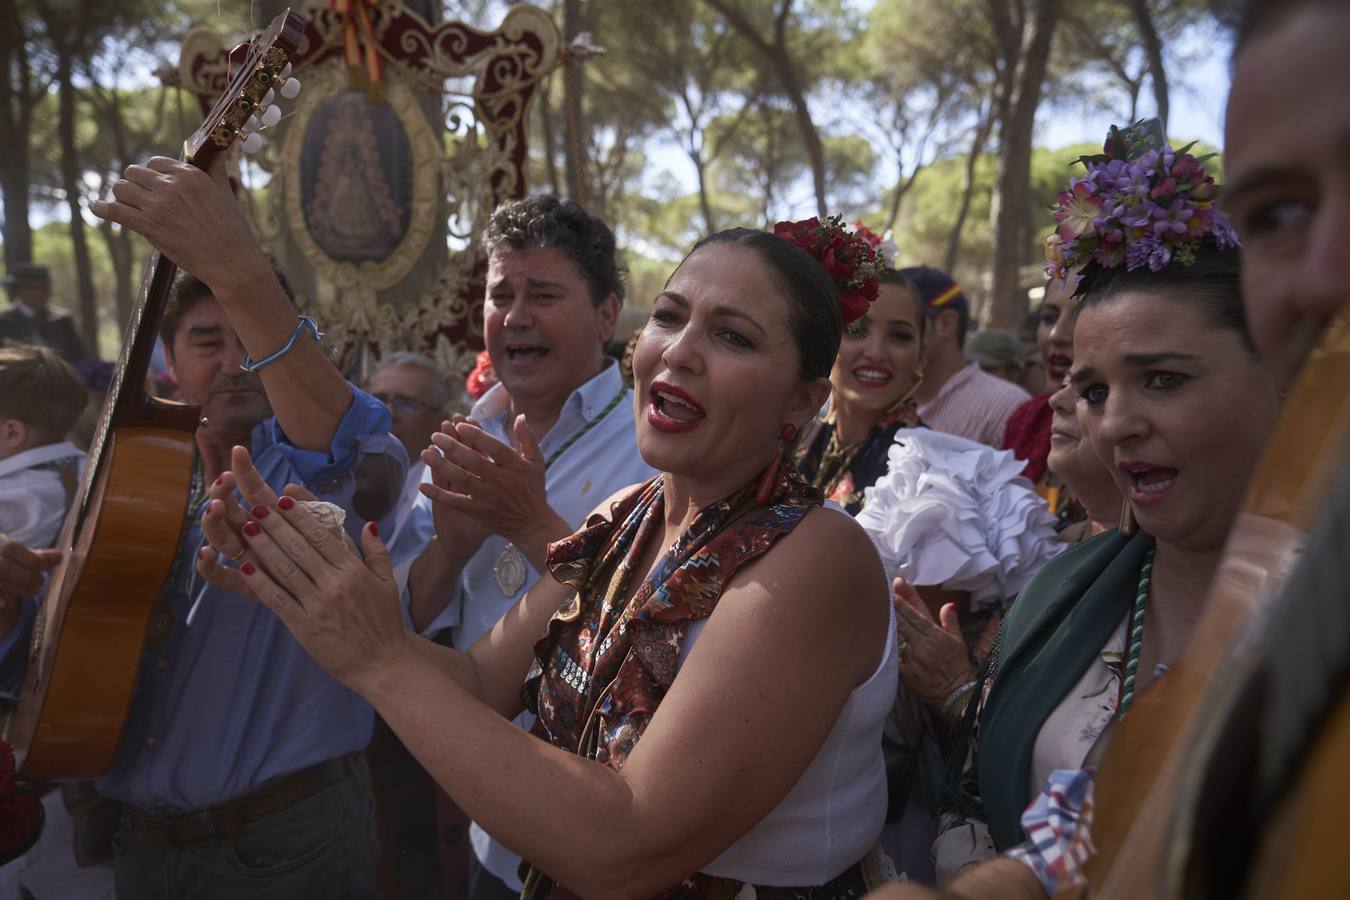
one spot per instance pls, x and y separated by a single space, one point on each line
192 217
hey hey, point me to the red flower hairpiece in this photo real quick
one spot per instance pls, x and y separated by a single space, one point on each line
850 259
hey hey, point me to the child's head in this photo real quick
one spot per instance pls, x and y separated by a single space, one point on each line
41 396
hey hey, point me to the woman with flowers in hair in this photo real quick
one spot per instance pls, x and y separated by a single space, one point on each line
712 660
874 377
1162 361
938 516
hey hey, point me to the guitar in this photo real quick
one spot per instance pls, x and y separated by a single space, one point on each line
122 532
1181 776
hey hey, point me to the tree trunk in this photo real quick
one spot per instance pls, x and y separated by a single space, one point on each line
16 107
550 143
902 186
815 150
977 145
70 178
121 253
1157 71
1024 76
704 203
574 153
780 60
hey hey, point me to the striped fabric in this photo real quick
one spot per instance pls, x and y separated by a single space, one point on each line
974 404
1057 824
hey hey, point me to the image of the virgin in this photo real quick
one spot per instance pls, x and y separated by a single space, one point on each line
356 178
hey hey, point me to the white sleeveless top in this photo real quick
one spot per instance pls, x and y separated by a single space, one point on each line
834 813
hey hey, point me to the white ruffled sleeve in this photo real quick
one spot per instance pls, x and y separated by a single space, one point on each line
955 513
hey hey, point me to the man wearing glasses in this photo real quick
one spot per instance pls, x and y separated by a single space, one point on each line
418 395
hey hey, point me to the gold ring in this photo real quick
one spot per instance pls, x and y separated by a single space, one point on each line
236 557
900 650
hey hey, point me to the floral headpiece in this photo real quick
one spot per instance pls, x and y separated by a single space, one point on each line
849 259
882 243
1140 203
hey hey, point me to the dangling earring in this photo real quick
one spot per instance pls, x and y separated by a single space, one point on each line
1127 523
769 480
914 389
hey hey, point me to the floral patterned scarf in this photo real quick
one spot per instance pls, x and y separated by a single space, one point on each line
606 662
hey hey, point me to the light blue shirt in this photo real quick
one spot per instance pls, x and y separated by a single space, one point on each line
603 461
232 700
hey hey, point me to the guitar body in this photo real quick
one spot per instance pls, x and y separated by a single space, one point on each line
89 636
123 530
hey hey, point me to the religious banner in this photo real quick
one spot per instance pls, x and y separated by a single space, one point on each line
372 194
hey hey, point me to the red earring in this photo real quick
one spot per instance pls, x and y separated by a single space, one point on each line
769 480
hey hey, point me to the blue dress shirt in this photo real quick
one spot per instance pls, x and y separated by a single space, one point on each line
231 700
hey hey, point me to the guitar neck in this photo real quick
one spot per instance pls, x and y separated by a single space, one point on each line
130 402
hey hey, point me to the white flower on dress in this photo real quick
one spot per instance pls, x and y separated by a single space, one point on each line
956 513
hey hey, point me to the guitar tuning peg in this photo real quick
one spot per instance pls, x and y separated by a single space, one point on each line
254 142
286 72
251 124
291 89
272 116
268 98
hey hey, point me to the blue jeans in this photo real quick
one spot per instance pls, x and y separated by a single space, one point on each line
322 848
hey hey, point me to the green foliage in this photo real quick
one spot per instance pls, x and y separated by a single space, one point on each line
897 91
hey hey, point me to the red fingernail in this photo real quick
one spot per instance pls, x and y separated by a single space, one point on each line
285 503
220 481
259 512
246 568
374 530
251 529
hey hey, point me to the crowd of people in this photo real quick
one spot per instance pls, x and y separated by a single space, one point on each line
808 589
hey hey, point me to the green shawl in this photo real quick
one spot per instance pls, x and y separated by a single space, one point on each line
1054 631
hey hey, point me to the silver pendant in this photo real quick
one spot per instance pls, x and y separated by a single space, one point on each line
510 571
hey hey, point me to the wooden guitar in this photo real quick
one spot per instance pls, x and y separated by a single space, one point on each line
1182 774
122 532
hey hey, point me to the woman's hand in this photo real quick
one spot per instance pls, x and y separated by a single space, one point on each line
933 659
342 609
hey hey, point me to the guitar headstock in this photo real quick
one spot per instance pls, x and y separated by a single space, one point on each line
246 106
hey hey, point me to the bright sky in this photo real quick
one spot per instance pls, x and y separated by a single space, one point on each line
1197 98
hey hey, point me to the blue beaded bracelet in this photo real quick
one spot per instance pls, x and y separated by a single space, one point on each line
305 322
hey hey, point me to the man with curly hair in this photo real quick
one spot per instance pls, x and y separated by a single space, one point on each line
539 449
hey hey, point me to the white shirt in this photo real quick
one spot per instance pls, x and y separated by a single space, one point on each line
833 815
602 461
33 499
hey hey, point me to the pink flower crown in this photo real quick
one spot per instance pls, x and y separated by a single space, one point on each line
1141 203
850 259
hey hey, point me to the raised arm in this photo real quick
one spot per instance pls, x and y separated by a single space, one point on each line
492 671
740 724
193 218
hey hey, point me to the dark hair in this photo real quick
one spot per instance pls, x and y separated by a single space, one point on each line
902 281
40 389
542 221
1260 16
186 293
1212 283
817 315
